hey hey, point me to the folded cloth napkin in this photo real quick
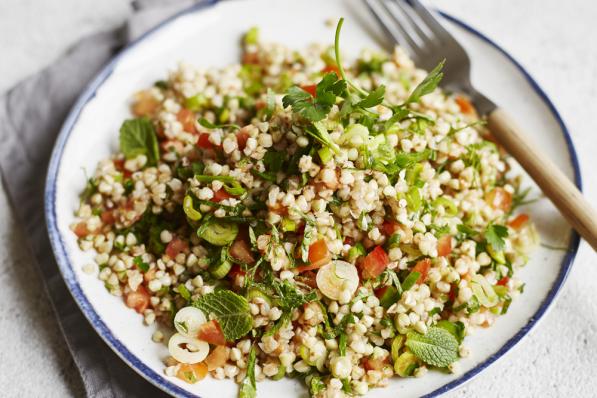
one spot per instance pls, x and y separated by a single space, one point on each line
28 129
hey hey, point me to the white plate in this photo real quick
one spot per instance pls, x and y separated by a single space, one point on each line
208 35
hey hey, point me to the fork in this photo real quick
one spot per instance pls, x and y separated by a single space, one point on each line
417 30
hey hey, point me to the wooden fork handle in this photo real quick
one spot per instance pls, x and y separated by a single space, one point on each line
554 184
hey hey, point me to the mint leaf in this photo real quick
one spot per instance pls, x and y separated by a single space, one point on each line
231 310
248 387
457 329
437 347
374 98
428 84
137 137
495 234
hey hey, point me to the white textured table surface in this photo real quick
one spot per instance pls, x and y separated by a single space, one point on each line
554 40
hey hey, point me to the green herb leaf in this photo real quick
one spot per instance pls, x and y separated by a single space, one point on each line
137 137
316 386
495 234
374 98
318 131
231 310
410 280
184 292
457 329
315 108
231 186
209 125
143 266
428 84
437 347
248 387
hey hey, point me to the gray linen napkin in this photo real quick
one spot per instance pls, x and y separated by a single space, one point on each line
28 129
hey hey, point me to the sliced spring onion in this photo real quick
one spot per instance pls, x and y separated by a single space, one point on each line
325 154
397 344
189 210
179 345
410 280
220 270
356 251
336 277
231 186
406 364
195 103
484 291
218 233
255 292
288 225
188 320
447 204
355 136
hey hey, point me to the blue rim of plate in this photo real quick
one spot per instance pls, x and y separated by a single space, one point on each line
159 380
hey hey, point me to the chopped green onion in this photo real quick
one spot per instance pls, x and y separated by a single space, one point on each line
410 280
288 225
189 210
447 204
325 154
195 103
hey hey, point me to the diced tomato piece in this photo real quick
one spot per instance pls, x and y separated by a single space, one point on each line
241 251
118 164
465 105
192 373
375 363
518 221
348 241
241 138
217 357
452 294
499 198
319 254
503 282
81 229
175 247
444 246
235 271
203 141
220 195
187 119
375 263
332 68
107 217
422 267
389 227
211 332
379 292
138 300
310 88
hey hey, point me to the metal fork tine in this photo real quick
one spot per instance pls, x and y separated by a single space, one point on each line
399 24
412 22
428 18
382 17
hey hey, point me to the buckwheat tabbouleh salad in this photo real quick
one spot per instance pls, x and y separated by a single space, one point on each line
295 216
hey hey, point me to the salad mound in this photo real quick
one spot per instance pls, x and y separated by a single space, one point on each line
294 215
